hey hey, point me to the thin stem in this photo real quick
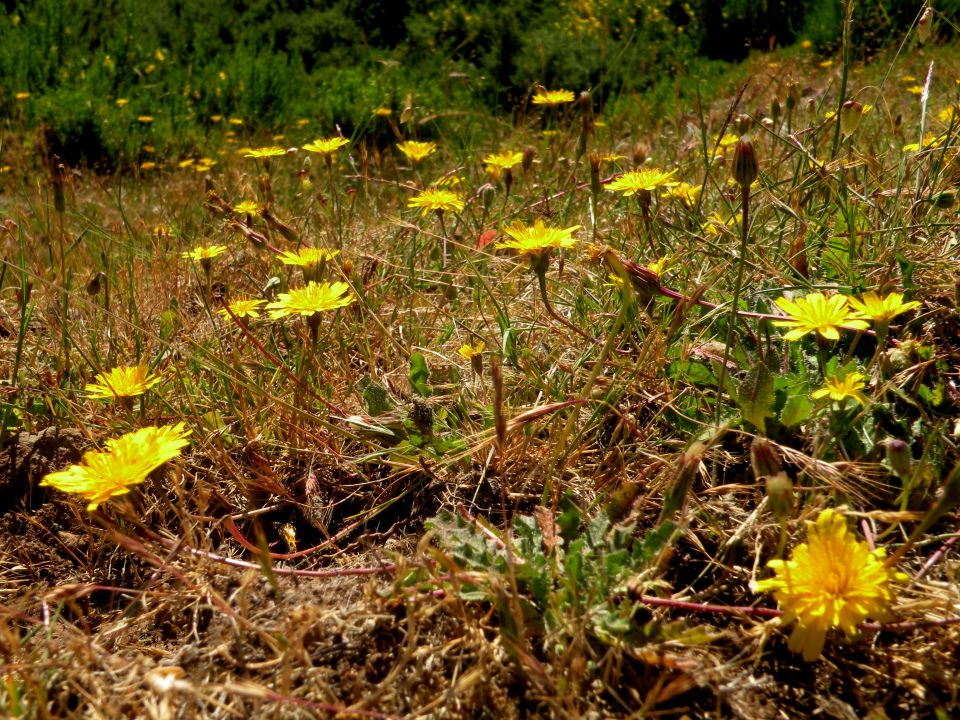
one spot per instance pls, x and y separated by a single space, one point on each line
737 287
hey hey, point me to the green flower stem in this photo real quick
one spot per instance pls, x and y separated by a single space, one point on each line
737 288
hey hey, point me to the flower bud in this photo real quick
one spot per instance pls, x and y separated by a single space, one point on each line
744 124
764 458
925 25
850 115
779 489
679 486
528 155
899 457
744 168
595 160
775 110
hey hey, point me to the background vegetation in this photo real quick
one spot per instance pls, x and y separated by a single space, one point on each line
193 65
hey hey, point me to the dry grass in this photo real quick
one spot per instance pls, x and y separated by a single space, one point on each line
288 566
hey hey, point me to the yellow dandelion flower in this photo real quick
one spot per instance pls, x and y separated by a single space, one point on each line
145 119
383 112
881 309
436 199
121 382
503 160
243 308
553 97
235 121
266 152
715 224
309 259
326 146
126 461
831 581
23 95
537 239
469 352
817 313
246 207
311 299
204 253
148 165
121 102
417 151
915 89
637 181
685 192
185 163
841 388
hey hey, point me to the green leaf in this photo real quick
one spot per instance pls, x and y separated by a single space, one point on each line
755 396
797 410
375 396
419 375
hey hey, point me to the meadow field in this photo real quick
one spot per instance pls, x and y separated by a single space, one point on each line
417 384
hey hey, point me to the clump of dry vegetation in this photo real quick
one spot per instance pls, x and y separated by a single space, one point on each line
506 423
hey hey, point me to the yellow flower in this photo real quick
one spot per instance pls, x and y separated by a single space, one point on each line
326 146
122 102
537 239
818 313
469 352
715 224
204 253
22 95
881 309
832 580
437 199
122 382
185 163
552 97
685 192
639 180
311 299
841 388
246 207
127 460
504 160
266 152
235 121
243 307
417 151
148 165
660 265
309 259
727 140
145 119
915 89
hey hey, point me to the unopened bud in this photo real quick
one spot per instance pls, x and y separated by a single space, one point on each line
775 110
528 155
595 160
899 457
850 115
686 470
743 124
764 458
507 179
347 267
779 490
793 94
639 155
925 25
744 168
